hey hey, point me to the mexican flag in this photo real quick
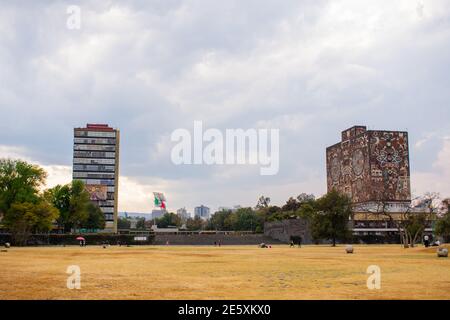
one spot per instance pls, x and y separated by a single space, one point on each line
159 200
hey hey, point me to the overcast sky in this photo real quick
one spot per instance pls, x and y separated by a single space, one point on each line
309 68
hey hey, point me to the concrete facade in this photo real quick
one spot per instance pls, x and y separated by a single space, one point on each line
96 163
285 229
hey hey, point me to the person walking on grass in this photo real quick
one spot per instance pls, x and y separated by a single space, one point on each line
426 241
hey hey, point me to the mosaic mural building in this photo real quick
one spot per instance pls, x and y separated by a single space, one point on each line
371 166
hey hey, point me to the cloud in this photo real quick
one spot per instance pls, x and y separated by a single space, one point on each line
437 179
56 174
309 68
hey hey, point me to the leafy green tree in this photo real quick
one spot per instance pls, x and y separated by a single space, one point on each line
291 205
306 198
442 227
73 202
245 219
19 182
263 202
22 219
306 210
331 217
79 204
140 225
168 219
272 213
219 221
195 224
60 196
123 223
95 219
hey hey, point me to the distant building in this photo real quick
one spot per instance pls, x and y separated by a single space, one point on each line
96 163
146 216
232 209
202 212
183 214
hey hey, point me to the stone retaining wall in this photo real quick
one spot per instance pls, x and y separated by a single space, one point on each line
285 229
209 239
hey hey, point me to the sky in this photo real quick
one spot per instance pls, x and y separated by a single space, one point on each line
308 68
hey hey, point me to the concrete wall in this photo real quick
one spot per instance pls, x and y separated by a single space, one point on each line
208 239
284 229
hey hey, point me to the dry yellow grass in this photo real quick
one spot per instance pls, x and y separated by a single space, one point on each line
228 272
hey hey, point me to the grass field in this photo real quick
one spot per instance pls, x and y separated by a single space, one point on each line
233 272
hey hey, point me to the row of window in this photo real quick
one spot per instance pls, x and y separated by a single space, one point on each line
93 175
93 161
94 141
94 154
104 182
96 168
105 203
109 217
94 147
99 134
107 209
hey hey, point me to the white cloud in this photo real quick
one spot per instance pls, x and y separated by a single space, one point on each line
12 152
437 180
56 174
310 68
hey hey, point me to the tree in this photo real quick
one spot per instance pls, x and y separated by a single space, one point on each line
195 224
291 205
306 198
220 221
331 217
60 196
73 202
245 219
24 218
79 204
23 209
263 202
123 223
442 227
140 224
168 219
19 182
272 213
410 219
95 219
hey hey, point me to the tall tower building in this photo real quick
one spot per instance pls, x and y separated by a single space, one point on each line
96 163
202 212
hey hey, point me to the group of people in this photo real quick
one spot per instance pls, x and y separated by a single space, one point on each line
217 243
427 241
